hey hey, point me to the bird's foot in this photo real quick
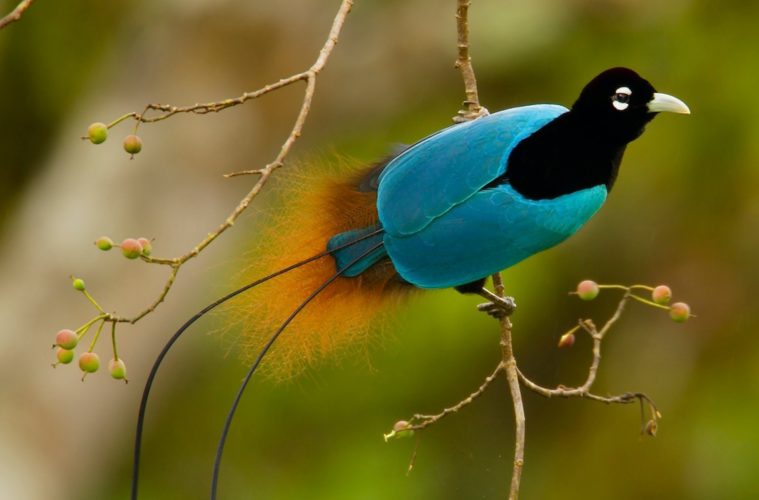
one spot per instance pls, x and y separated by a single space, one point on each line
498 307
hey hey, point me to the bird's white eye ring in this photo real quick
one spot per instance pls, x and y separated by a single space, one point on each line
621 98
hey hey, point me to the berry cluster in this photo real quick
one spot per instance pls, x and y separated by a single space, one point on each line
131 248
97 133
66 341
660 297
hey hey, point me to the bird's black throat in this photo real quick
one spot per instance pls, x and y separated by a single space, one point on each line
570 153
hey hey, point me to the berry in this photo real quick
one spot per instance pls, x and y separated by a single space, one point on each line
402 430
117 369
587 290
65 356
97 133
104 243
567 340
131 248
679 312
147 247
132 144
78 284
661 294
89 362
67 339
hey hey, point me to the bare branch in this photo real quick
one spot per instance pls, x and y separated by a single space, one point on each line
309 76
15 14
471 107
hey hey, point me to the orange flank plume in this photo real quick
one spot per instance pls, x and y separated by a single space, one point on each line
348 313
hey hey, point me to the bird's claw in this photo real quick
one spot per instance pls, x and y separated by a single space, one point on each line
499 307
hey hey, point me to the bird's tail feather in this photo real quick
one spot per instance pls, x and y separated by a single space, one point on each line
345 317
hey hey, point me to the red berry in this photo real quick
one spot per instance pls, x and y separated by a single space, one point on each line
65 356
567 340
587 290
147 247
104 243
679 311
132 144
131 248
67 339
661 294
97 132
117 368
89 362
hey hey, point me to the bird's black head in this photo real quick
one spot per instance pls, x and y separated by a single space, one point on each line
619 103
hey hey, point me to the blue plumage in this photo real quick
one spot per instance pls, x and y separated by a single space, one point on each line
479 197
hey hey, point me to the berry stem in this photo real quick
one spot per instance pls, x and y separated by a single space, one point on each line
94 302
113 340
82 330
97 335
649 302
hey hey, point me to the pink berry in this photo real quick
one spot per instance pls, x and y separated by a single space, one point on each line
131 248
567 340
89 362
67 339
661 294
117 369
65 356
679 311
132 144
587 290
402 429
147 247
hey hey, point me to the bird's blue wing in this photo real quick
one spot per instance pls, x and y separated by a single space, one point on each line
494 229
447 168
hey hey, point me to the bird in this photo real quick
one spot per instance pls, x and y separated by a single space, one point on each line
457 206
450 210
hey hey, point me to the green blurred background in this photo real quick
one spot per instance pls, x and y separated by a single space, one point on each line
684 212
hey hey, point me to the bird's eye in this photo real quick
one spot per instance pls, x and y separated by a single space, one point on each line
621 98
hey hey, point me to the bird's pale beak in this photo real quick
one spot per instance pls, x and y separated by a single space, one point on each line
665 102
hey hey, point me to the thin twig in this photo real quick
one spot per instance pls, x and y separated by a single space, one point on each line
15 14
427 420
309 76
471 106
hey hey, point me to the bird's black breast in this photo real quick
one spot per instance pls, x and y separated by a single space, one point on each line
562 157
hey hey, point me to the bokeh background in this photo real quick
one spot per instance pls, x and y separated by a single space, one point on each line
684 212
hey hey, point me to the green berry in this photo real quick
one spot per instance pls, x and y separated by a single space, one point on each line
65 356
147 247
567 340
661 294
104 243
78 284
89 362
67 339
131 248
679 312
132 144
117 368
97 133
587 290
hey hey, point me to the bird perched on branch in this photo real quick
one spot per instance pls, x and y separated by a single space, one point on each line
452 209
448 211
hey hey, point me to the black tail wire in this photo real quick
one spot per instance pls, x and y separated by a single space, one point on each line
257 362
167 347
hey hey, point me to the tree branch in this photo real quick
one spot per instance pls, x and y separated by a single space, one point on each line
471 106
16 13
